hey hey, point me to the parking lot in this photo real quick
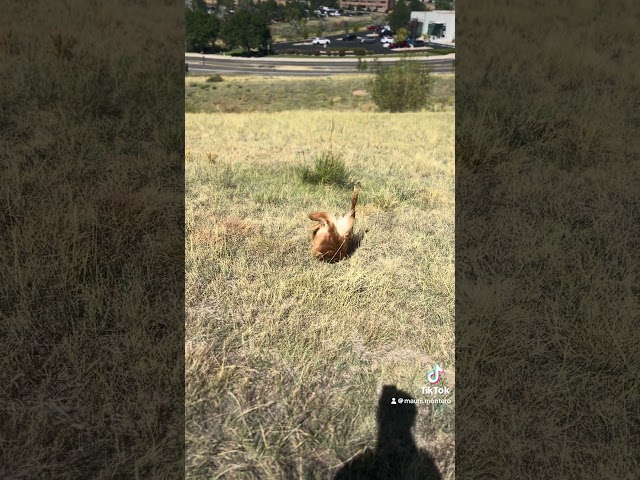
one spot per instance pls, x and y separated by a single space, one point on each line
337 42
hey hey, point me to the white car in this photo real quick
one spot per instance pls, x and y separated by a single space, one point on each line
386 40
320 41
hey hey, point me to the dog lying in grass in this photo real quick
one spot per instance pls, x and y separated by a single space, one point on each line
331 238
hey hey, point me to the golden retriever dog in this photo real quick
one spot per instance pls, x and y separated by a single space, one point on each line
330 238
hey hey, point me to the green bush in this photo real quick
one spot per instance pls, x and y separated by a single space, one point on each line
329 169
342 52
403 86
360 52
215 78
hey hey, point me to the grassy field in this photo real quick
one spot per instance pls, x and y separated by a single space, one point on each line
248 94
285 356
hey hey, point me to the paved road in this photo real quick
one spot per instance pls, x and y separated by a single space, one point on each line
274 66
337 42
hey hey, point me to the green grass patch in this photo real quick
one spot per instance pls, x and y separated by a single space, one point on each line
328 169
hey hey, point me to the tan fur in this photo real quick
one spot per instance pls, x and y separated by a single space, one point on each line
331 237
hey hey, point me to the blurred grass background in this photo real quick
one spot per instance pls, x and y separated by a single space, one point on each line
547 231
91 241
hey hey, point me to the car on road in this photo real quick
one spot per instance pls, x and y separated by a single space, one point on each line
320 41
350 37
419 43
368 39
386 40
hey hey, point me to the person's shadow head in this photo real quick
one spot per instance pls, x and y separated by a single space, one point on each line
396 455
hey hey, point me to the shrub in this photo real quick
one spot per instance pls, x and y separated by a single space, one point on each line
215 78
329 169
442 51
342 52
316 53
403 86
360 52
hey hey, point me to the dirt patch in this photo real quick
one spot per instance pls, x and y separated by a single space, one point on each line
359 93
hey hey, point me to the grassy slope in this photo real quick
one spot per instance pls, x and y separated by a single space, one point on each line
284 354
246 94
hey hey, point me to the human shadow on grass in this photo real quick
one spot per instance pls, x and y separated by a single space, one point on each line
396 455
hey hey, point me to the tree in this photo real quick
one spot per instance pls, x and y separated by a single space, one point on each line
295 17
198 5
297 28
247 29
443 5
400 15
417 6
270 9
201 29
403 86
294 11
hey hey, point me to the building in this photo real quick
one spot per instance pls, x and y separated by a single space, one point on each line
375 5
437 26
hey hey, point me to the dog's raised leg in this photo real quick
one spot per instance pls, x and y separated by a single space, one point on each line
345 224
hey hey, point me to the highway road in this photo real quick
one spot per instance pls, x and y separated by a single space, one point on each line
274 66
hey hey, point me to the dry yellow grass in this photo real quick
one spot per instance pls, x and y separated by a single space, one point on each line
285 354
